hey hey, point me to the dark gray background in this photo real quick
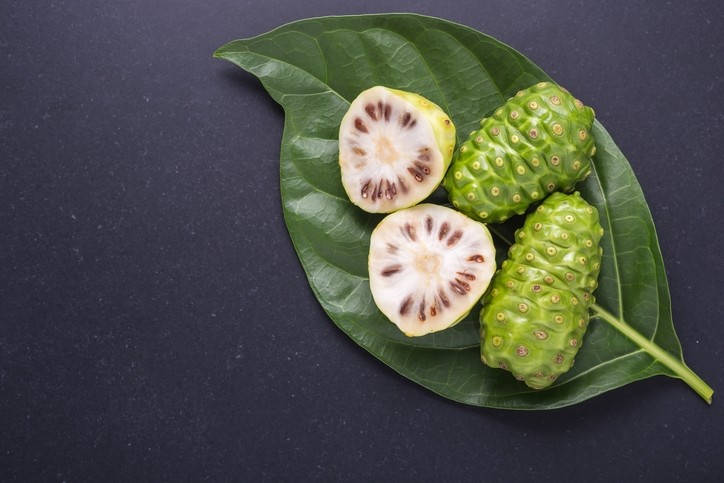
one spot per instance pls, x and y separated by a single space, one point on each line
157 325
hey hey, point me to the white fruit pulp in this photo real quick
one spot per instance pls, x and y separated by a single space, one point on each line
389 158
427 254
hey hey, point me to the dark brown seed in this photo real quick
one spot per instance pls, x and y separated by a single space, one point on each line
424 154
391 270
388 190
412 124
359 151
403 186
467 275
428 224
410 231
388 109
436 306
421 312
476 258
416 174
371 111
457 288
443 297
405 119
454 238
443 231
379 190
422 167
391 248
374 192
464 284
360 125
366 187
405 306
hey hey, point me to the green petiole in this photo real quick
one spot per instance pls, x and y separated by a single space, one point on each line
679 368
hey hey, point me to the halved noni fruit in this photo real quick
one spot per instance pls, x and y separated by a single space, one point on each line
428 266
394 149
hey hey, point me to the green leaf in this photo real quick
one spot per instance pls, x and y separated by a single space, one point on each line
314 68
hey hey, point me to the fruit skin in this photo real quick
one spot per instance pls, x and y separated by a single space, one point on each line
538 142
444 132
536 313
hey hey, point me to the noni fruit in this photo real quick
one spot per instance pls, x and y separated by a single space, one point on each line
394 149
538 142
536 313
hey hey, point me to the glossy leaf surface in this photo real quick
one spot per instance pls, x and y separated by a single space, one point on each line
313 68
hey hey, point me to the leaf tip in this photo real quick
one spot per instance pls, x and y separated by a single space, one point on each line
228 49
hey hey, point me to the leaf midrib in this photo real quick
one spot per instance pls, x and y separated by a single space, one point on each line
613 241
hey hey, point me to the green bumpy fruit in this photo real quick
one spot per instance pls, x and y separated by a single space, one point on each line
536 313
538 142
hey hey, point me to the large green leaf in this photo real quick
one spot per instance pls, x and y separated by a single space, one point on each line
313 68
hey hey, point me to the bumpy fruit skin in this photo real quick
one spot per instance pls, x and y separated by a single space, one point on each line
538 142
536 313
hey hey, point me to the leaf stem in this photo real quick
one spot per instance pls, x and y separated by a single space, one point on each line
679 368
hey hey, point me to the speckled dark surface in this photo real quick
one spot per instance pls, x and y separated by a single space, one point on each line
155 323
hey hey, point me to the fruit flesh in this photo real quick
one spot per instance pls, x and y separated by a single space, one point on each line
536 312
394 149
428 266
538 142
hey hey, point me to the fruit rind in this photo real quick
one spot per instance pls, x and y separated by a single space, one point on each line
539 141
443 127
537 311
